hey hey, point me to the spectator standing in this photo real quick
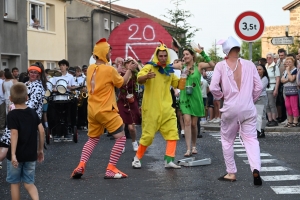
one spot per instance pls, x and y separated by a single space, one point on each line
280 99
272 91
291 92
8 82
2 104
262 101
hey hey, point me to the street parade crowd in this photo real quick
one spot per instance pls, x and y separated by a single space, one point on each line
172 96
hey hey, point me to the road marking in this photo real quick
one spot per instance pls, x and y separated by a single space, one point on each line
239 150
281 178
237 145
274 169
263 161
286 189
245 155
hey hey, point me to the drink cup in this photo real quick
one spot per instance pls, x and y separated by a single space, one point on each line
130 98
189 89
195 46
182 81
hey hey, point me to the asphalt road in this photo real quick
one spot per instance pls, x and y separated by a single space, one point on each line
153 181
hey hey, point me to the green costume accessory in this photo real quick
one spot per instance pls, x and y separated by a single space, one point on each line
168 159
206 57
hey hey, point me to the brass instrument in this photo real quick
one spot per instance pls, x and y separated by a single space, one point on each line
54 73
82 95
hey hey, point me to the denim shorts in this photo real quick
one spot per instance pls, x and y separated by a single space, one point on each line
25 172
45 107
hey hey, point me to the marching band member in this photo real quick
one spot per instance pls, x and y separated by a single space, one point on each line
71 85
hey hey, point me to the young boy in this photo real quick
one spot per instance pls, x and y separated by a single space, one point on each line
23 123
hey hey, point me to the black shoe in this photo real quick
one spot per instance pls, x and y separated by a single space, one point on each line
261 134
199 136
256 177
272 123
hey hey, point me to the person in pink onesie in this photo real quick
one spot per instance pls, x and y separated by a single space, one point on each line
237 82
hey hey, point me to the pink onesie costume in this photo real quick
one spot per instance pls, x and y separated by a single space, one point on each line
238 111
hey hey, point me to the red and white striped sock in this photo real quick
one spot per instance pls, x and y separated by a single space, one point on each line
117 150
87 151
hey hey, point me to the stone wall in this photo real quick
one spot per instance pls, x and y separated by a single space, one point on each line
295 15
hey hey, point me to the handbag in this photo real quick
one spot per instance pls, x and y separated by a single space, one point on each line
290 90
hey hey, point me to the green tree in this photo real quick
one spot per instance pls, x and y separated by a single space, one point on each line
256 50
294 47
182 30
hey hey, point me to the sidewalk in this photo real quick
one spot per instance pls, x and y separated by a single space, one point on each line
280 128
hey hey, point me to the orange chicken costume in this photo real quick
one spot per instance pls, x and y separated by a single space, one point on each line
102 110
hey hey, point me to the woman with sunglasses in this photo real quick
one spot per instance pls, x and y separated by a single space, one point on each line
191 101
128 102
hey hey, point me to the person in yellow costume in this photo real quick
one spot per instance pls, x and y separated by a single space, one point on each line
101 81
157 112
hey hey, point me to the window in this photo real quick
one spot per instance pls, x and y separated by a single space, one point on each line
37 14
106 24
112 25
51 65
10 9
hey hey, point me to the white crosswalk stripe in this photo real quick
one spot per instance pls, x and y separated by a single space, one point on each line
286 189
261 154
290 189
281 178
263 161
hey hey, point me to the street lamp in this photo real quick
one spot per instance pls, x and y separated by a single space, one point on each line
287 31
110 1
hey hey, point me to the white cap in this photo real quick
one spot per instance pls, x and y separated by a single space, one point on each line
228 44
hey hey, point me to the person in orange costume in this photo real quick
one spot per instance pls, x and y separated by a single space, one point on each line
102 109
157 112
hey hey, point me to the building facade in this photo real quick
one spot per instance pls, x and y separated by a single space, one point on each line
46 31
13 35
293 29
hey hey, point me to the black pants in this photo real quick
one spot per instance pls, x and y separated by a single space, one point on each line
82 114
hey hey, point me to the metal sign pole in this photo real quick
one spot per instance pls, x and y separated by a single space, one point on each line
250 50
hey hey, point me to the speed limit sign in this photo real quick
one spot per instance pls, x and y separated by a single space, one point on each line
249 26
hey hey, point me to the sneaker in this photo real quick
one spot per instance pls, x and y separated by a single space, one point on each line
211 121
84 128
136 163
284 122
171 165
261 134
135 146
216 121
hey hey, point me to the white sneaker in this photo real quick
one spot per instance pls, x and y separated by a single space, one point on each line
123 151
284 122
216 121
203 122
84 128
211 121
135 146
182 132
136 163
171 165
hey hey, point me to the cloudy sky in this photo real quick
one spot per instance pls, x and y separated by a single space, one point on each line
215 18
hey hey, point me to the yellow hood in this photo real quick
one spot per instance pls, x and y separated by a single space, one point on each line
161 47
101 49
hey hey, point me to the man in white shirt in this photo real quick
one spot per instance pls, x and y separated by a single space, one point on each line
272 91
2 103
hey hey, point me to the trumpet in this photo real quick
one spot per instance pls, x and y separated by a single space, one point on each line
83 95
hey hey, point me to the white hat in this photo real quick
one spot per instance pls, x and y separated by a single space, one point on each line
228 44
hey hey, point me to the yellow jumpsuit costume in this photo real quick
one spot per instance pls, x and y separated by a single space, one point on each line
157 111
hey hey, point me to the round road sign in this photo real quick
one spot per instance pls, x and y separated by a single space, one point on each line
249 26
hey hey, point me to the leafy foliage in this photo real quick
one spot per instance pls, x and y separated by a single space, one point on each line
182 30
256 50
